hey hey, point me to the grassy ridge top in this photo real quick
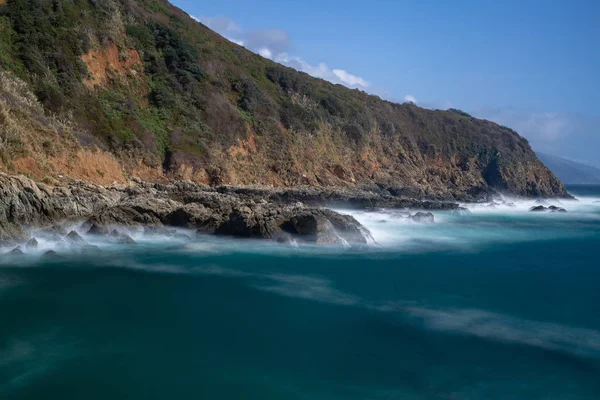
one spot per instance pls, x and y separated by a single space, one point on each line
172 99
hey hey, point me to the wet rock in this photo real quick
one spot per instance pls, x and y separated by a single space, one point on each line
355 198
89 248
556 209
348 228
74 238
537 209
422 217
239 211
190 215
550 209
257 212
461 211
32 243
325 227
128 214
400 214
16 251
314 228
97 229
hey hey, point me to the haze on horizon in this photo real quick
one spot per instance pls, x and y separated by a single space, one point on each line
528 65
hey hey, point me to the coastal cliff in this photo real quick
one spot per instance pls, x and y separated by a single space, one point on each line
105 91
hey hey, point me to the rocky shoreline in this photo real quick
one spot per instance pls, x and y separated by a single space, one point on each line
279 214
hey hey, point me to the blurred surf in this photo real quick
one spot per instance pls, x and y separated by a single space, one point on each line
497 302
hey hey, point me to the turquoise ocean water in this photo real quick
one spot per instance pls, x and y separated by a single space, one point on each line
496 304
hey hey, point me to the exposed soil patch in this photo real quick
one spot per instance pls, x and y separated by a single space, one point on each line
109 60
148 173
28 166
93 166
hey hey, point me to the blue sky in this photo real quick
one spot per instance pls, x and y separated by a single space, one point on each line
531 65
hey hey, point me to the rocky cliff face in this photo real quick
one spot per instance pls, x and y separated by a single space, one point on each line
138 88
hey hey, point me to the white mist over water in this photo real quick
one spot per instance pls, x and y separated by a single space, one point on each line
504 221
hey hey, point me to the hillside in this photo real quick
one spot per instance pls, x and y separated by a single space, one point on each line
101 90
571 172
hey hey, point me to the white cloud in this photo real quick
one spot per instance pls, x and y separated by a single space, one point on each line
349 79
275 45
238 42
410 99
321 70
265 52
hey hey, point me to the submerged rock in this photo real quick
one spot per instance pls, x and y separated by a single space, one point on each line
422 217
461 211
89 248
550 209
125 239
401 214
537 209
556 209
50 254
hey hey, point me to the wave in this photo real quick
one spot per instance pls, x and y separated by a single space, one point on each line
472 322
508 329
479 225
306 287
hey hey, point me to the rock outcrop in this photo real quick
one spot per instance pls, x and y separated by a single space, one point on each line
27 204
